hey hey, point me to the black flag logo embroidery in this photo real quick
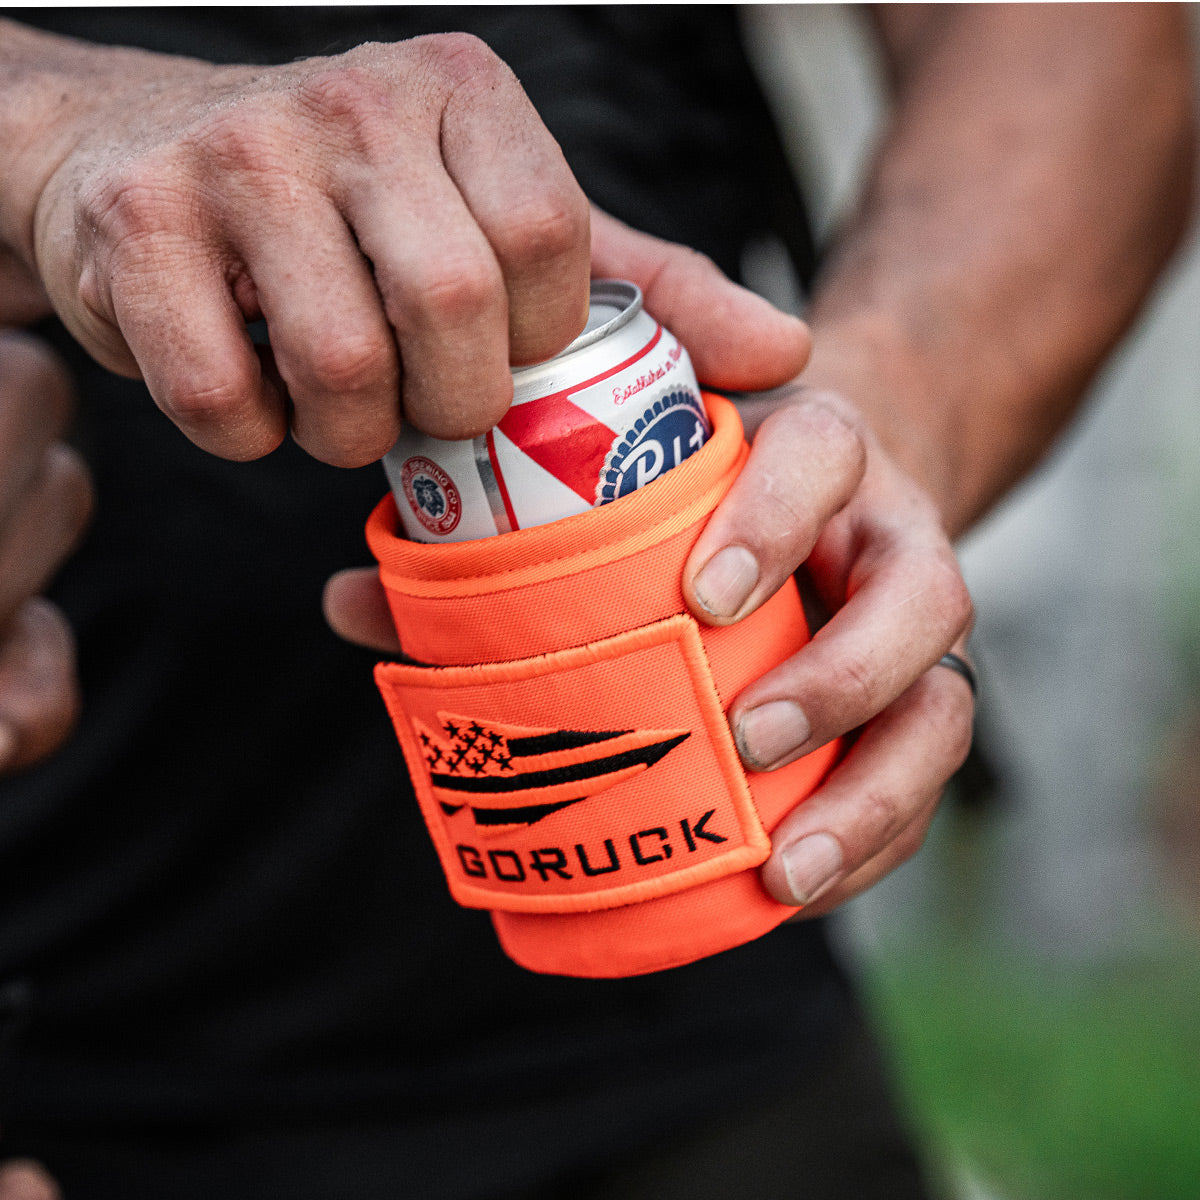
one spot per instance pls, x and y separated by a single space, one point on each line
510 775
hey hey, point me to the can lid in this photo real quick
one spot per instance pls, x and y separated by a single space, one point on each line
614 303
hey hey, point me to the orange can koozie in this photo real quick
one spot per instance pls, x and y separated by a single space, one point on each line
563 718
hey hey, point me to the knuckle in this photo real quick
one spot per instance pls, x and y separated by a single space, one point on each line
854 682
791 440
243 139
129 203
451 293
883 815
917 511
207 402
343 91
358 103
824 419
678 277
552 225
345 364
947 592
944 712
461 58
142 226
780 518
688 264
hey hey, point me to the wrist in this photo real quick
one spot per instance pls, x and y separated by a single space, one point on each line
875 365
39 97
53 91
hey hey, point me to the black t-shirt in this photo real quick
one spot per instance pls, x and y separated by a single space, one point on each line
218 905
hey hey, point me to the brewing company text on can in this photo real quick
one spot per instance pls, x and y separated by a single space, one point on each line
612 412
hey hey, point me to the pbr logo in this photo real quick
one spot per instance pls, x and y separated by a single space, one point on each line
672 429
431 495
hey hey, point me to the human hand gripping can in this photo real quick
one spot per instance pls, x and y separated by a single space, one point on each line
618 407
562 714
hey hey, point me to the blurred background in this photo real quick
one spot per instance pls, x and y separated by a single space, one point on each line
1036 968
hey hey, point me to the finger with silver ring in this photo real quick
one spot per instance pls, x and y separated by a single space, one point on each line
960 666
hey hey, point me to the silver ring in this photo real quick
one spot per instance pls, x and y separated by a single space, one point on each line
962 667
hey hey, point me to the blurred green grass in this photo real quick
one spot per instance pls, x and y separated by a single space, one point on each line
1049 1082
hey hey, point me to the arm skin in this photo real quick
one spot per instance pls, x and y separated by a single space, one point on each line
1033 184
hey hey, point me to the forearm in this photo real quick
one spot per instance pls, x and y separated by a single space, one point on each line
1033 182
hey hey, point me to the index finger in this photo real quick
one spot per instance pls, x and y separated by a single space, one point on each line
805 463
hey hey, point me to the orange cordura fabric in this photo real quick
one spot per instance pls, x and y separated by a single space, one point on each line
566 730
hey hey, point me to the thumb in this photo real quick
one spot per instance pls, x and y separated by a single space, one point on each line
737 340
356 609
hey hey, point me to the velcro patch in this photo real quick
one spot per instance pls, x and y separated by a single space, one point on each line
581 780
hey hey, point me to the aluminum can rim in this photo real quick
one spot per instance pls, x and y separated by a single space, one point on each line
626 297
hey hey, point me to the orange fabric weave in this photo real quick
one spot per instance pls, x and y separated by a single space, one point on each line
566 732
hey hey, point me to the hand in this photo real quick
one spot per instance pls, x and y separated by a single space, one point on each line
45 499
818 489
21 1180
398 214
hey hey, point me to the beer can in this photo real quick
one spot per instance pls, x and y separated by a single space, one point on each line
611 413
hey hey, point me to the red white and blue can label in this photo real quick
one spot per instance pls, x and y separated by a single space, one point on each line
608 415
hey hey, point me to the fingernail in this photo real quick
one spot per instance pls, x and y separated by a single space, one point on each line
726 581
811 865
771 732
